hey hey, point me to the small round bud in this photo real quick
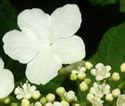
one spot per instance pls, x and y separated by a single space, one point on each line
49 104
109 97
88 65
38 104
76 104
116 92
82 69
43 100
7 100
74 72
87 80
65 103
83 86
36 95
89 97
73 76
50 97
25 102
81 75
115 76
70 96
60 91
122 67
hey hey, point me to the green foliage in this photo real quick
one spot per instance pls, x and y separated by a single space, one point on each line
103 2
122 6
112 48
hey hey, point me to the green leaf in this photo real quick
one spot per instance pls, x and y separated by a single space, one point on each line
103 2
112 48
122 6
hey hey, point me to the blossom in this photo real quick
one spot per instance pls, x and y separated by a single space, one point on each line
101 72
6 81
121 100
45 42
96 101
99 90
54 104
25 91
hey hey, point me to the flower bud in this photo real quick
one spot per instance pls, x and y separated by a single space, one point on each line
73 76
38 104
83 86
49 104
50 97
89 97
81 75
116 92
7 100
122 67
82 69
36 95
70 96
109 97
87 80
25 102
88 65
43 100
60 91
115 76
65 103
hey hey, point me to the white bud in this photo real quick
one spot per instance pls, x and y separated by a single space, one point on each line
49 104
116 92
82 69
7 100
109 97
83 86
122 67
73 76
38 104
43 100
60 91
76 104
25 102
81 75
89 97
74 72
50 97
36 95
115 76
70 96
88 65
64 103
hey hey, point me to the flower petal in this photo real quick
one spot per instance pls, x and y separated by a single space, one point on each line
36 21
1 63
19 46
66 21
70 50
6 83
43 68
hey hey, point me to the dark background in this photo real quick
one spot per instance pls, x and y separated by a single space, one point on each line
96 21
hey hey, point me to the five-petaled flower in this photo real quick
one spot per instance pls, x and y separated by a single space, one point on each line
45 42
6 81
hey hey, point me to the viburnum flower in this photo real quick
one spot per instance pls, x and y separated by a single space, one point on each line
101 72
45 42
6 81
99 90
121 100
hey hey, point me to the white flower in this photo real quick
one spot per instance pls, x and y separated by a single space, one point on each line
6 81
101 72
99 90
96 101
45 42
54 104
121 100
25 91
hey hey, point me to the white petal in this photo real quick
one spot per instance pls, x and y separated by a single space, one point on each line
36 21
57 104
20 46
66 21
1 63
70 50
99 66
6 83
43 68
93 72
